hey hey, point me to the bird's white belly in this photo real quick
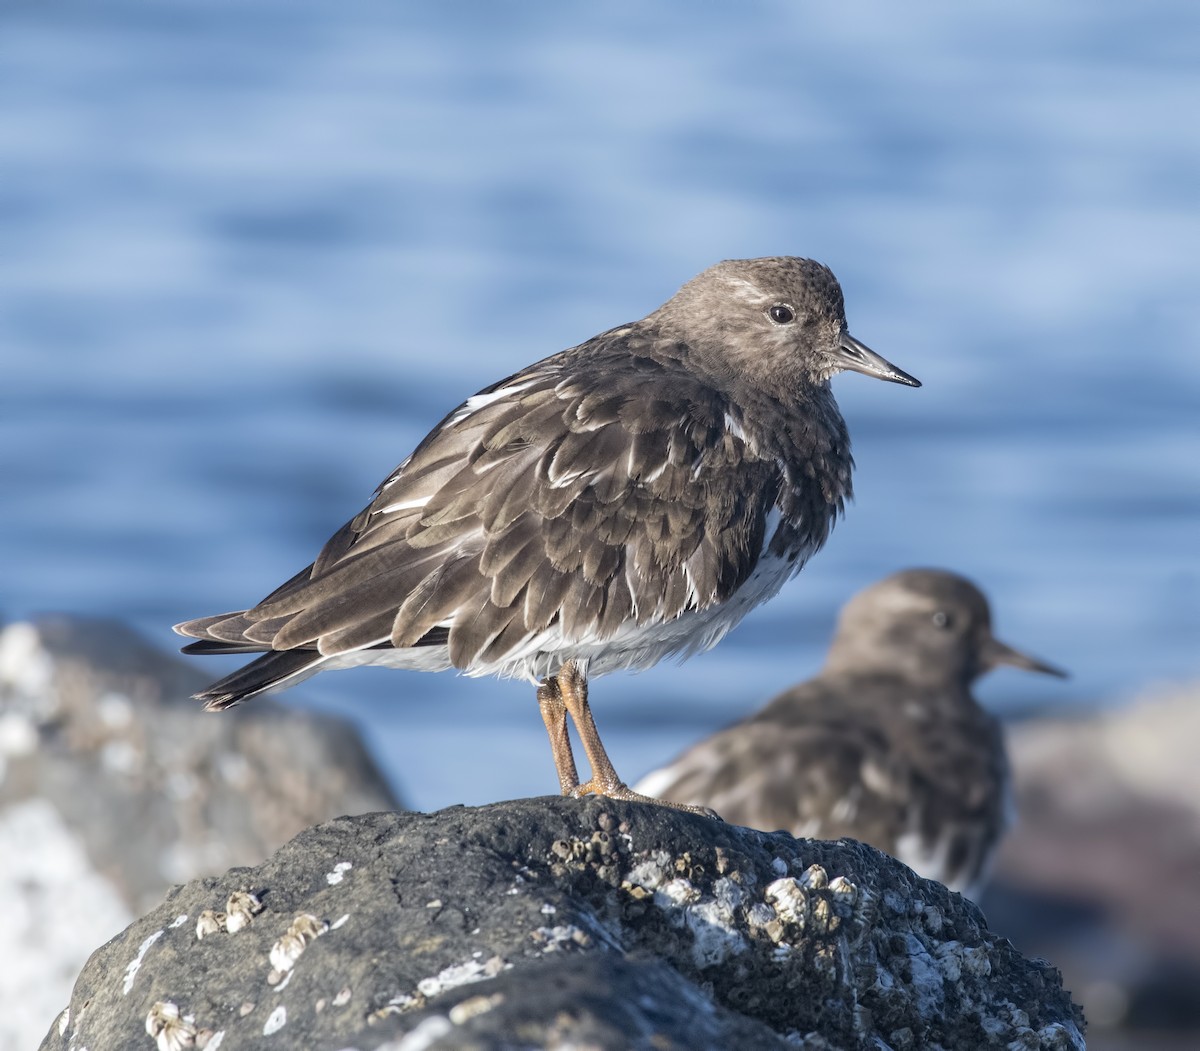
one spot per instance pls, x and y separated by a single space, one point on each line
633 646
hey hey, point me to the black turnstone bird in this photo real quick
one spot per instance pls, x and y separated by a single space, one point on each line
625 500
886 745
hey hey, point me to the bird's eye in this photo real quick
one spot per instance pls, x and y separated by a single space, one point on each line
781 314
941 619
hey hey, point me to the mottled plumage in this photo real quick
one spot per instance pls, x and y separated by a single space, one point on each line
887 745
621 501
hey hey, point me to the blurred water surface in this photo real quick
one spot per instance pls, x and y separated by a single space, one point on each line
250 250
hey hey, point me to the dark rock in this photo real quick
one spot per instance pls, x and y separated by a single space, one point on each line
556 922
115 785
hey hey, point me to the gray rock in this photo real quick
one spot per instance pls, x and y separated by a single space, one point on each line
115 785
1100 872
564 923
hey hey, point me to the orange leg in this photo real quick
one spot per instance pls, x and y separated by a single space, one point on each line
554 715
572 690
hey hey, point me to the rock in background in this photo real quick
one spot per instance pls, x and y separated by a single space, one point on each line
564 923
1102 872
114 786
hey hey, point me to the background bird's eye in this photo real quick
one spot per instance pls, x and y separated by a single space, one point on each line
941 619
781 315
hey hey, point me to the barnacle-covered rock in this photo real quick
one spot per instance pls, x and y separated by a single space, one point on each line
560 922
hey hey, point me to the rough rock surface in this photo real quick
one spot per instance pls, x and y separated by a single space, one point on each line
1100 873
114 785
564 923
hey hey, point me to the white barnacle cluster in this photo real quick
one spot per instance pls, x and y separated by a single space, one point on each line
810 902
677 886
240 910
844 891
175 1031
943 973
648 872
713 923
172 1030
305 928
209 922
677 891
789 900
814 878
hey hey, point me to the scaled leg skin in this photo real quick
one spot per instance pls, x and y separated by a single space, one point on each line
554 715
572 689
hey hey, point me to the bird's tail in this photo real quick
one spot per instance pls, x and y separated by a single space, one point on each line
271 671
229 633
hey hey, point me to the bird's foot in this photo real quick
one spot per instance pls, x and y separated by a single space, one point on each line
620 790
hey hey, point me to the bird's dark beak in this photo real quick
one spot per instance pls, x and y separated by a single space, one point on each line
858 357
996 652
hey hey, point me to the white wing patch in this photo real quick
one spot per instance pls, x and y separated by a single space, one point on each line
479 401
404 505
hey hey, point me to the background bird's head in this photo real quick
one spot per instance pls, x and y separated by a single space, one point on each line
932 626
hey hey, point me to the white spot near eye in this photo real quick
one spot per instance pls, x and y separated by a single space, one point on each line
744 289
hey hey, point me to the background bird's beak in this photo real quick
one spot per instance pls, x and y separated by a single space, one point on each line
858 357
996 652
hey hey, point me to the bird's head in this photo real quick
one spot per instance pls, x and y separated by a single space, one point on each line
778 318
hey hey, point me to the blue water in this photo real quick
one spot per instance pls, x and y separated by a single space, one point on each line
250 250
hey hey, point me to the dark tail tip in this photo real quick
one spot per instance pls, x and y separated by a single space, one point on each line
271 670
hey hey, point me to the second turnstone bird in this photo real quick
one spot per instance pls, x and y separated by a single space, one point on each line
887 745
625 500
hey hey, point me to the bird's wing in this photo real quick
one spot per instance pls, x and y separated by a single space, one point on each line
572 493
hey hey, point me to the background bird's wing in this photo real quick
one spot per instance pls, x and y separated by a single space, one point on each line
804 774
826 764
595 488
